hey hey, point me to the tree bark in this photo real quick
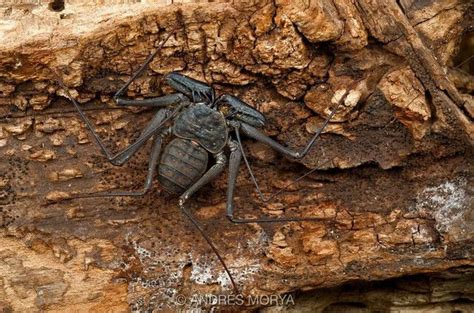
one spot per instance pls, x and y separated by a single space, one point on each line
393 185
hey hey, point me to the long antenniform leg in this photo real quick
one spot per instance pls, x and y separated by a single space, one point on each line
234 163
154 129
215 170
123 156
256 134
142 68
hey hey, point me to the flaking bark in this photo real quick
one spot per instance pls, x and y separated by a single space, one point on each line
394 190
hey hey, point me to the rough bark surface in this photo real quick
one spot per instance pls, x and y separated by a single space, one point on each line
394 182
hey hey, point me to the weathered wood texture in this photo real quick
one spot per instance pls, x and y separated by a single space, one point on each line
449 291
394 188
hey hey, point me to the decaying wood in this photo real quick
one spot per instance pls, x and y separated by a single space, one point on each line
449 291
394 189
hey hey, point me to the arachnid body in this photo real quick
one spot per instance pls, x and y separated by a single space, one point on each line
203 126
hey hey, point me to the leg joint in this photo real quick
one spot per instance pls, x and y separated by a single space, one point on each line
233 145
221 159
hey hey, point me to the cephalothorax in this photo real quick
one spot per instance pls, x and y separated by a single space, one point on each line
203 126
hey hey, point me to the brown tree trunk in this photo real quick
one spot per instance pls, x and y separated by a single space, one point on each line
393 187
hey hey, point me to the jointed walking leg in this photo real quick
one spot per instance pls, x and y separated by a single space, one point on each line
152 164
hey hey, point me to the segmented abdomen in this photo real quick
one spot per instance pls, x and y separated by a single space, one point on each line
181 165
